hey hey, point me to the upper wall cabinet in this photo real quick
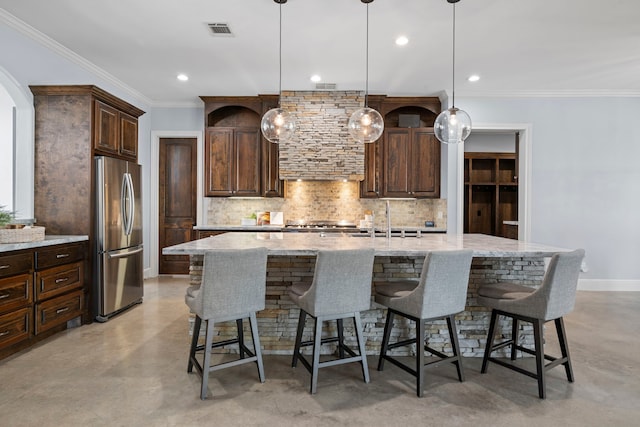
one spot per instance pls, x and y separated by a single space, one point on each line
238 160
405 161
116 132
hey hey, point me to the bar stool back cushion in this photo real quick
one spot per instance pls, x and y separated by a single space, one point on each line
447 276
233 283
337 285
554 298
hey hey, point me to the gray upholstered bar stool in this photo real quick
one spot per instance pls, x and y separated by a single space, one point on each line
551 301
440 293
341 288
233 288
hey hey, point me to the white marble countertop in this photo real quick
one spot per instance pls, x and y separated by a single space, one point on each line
276 227
309 243
48 241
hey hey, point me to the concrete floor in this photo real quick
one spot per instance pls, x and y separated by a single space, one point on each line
131 371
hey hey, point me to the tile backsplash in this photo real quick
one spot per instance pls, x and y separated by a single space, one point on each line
328 200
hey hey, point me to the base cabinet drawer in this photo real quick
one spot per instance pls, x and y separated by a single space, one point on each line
15 326
15 264
59 255
15 292
58 280
58 310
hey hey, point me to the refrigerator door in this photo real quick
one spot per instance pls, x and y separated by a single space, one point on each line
121 281
111 179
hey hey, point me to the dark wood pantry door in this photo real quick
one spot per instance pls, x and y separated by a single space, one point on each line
177 198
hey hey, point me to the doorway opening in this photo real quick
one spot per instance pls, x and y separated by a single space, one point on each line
493 195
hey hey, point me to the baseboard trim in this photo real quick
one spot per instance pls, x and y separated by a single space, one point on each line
609 285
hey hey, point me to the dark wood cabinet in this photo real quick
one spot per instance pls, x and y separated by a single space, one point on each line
233 161
410 163
491 193
115 132
239 161
72 125
405 161
40 290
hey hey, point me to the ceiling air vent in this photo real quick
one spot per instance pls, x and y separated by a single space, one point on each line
325 86
220 29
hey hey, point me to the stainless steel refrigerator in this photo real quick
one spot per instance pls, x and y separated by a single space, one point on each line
119 247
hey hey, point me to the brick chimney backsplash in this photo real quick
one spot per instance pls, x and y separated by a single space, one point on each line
328 200
321 148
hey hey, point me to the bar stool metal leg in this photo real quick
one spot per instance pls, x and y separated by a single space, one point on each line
420 357
296 350
253 323
455 346
564 348
361 347
515 330
385 339
194 342
539 343
490 337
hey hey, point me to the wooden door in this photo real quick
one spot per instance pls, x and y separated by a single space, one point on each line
177 198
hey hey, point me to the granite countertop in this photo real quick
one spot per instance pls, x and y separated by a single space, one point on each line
275 227
309 243
49 240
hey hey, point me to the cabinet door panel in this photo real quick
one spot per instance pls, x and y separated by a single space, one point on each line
219 162
395 163
425 158
106 136
247 162
128 136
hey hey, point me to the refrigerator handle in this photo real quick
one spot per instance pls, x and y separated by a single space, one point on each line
132 204
125 254
123 203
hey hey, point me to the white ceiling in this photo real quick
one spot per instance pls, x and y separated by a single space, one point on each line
518 47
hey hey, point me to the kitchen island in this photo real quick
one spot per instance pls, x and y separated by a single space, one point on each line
292 257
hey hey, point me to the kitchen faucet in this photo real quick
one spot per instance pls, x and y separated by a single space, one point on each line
388 220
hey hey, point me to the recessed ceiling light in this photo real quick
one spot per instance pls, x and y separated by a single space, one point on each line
474 78
182 77
316 78
402 40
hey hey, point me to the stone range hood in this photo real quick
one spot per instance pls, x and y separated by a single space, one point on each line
321 148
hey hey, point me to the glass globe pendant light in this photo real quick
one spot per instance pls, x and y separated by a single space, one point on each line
453 126
366 124
277 124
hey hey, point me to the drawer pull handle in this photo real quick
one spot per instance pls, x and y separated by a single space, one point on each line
58 256
62 310
64 279
3 267
4 333
3 296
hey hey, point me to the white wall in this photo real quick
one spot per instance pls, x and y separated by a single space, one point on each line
6 149
585 181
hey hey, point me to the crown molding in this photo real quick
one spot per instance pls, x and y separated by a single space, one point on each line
68 54
552 93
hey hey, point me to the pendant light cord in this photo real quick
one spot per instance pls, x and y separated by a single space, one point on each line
280 62
453 67
366 85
